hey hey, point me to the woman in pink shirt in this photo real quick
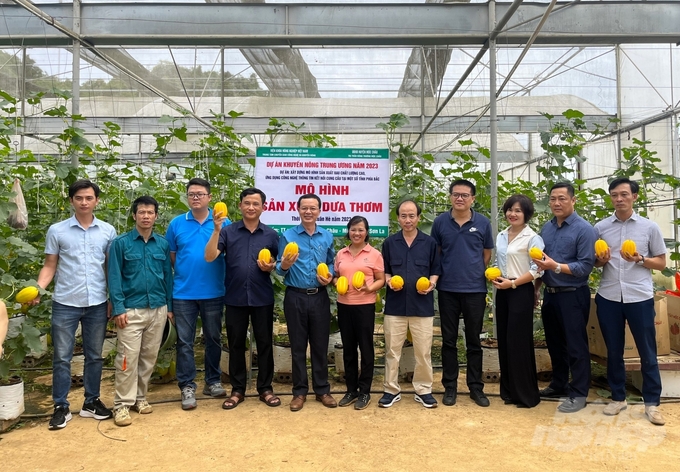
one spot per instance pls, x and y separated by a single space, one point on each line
356 310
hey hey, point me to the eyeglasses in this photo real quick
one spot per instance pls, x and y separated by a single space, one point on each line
191 196
464 196
306 209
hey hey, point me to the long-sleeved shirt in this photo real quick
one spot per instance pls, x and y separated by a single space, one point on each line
573 244
314 249
140 273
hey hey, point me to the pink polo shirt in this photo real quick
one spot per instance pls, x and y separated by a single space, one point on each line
369 261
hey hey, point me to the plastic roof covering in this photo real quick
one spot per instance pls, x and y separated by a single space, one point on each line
356 81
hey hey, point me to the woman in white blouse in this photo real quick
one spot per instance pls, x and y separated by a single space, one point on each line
515 304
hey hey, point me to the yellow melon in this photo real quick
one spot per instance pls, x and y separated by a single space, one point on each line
322 270
27 295
342 285
220 210
396 282
628 247
601 247
291 249
535 253
358 279
265 256
492 273
422 284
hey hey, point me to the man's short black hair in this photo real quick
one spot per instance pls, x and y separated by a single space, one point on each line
418 209
252 191
201 182
144 200
309 195
567 185
467 183
82 184
634 186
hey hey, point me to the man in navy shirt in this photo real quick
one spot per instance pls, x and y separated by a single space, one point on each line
306 303
249 294
410 254
570 240
465 240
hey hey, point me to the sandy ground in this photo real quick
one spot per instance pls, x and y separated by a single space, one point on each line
405 437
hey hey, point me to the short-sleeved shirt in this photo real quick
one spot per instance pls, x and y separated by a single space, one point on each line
80 279
420 259
246 284
314 249
369 261
573 244
622 280
462 252
195 279
140 273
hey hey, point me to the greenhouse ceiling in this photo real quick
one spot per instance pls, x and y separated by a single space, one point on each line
342 67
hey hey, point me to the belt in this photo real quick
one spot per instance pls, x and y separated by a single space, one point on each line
560 289
307 291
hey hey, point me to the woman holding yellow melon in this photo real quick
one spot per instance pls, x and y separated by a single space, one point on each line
361 265
516 247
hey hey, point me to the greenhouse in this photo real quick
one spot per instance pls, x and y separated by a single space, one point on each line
366 103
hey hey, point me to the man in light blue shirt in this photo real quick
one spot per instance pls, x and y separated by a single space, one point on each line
75 257
626 296
198 290
306 303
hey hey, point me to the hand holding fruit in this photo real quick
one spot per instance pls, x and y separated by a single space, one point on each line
396 283
289 256
265 261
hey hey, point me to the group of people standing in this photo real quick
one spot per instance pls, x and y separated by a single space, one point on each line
205 262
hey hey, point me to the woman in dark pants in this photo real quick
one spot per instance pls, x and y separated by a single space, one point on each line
515 304
356 310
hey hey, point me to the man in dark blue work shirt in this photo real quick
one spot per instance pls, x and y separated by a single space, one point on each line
249 293
465 240
409 254
306 303
569 257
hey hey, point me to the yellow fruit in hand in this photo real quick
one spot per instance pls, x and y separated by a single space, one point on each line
628 247
220 210
27 295
291 249
342 285
535 253
358 279
422 284
492 273
396 282
601 247
322 270
265 256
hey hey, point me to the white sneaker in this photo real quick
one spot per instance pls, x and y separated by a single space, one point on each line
614 408
122 417
142 407
654 415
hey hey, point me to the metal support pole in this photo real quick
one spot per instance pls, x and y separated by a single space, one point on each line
22 84
222 80
618 105
75 86
493 137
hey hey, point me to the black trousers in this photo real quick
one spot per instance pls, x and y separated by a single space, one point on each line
565 317
515 325
262 319
471 305
356 329
309 321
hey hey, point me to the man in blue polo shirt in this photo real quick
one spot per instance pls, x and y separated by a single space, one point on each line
570 240
198 290
306 303
410 254
249 294
465 240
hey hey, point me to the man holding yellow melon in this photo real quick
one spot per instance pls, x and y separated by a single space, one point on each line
306 304
630 247
250 248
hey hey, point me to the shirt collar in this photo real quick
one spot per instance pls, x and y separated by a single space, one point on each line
190 216
568 220
73 221
615 218
135 234
301 229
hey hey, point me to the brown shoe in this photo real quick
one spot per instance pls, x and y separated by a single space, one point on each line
327 400
298 402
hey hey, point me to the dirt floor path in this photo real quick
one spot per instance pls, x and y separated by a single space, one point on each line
406 437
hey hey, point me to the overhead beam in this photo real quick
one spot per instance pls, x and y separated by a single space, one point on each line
44 126
271 25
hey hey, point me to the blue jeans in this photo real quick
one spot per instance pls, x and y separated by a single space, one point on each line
64 324
640 317
186 313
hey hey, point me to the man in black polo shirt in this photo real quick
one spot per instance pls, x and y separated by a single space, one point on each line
410 254
465 240
249 294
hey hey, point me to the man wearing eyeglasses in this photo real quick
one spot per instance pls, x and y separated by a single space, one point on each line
198 290
306 303
465 241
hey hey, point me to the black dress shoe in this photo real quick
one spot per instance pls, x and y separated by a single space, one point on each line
479 397
572 405
550 392
449 397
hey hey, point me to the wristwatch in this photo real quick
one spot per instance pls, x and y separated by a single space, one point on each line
513 284
558 269
641 261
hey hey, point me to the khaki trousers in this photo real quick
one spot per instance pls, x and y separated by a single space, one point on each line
395 335
138 342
